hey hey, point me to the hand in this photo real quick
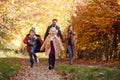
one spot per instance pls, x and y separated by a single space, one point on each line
63 49
41 49
28 41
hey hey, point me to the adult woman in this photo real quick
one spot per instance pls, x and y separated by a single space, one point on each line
71 43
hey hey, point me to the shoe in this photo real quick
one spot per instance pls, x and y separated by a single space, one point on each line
70 63
31 65
50 68
37 60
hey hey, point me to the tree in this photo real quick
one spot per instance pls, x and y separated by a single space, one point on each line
94 24
18 16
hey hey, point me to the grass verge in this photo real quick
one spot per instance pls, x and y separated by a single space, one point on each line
76 72
8 67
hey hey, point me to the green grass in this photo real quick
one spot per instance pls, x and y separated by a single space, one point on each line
8 67
9 54
87 73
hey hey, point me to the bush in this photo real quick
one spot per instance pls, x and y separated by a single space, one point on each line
8 68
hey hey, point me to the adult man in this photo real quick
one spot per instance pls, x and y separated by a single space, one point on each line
58 31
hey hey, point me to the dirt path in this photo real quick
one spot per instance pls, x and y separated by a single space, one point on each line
38 72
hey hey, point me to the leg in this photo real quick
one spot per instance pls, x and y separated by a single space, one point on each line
36 58
71 59
53 60
31 60
31 56
70 55
33 53
49 60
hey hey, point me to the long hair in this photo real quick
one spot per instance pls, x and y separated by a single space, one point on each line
69 27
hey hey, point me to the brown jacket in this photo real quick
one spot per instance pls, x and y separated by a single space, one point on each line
74 43
59 34
57 45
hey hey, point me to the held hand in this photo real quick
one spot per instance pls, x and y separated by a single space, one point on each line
63 49
40 49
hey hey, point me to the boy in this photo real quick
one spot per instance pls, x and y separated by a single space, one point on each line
32 41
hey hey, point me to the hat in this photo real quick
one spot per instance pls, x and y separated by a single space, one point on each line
52 30
33 29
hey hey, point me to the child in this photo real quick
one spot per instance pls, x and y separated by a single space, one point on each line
52 46
32 41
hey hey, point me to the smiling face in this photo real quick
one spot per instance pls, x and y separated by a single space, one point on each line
71 28
31 33
54 22
52 31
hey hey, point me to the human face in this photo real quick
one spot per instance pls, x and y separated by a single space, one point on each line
32 33
71 28
54 23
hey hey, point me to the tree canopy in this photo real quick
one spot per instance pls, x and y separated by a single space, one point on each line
18 16
97 25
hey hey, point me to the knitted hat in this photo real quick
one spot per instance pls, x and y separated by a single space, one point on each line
33 29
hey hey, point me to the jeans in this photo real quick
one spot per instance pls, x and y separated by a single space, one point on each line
51 61
32 54
70 54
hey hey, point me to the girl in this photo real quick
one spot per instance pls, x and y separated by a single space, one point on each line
52 46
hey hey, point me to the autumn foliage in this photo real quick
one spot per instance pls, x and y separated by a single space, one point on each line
97 23
98 26
18 16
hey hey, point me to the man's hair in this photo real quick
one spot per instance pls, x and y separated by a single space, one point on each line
55 20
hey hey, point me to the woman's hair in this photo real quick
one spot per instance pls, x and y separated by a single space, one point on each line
69 27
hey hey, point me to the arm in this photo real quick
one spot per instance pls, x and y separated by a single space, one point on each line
46 33
39 38
25 40
60 44
43 46
61 36
76 38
